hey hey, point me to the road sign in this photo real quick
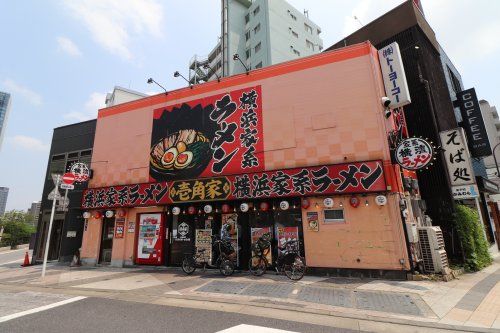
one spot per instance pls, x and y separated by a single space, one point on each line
68 178
54 194
66 186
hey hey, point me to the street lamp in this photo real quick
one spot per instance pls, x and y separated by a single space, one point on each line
207 66
236 56
150 80
177 74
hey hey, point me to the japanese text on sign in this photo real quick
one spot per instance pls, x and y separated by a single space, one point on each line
414 153
457 157
360 177
396 87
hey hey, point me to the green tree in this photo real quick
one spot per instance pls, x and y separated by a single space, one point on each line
471 233
17 227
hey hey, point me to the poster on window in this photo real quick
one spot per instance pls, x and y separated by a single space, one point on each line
203 239
119 227
312 221
256 233
288 234
230 230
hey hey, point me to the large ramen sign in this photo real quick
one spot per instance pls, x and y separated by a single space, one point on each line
212 136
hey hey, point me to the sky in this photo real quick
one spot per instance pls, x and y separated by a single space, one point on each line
59 58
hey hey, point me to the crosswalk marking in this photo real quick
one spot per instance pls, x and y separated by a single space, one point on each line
243 328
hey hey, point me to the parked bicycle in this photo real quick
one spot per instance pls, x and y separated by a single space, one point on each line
225 258
289 260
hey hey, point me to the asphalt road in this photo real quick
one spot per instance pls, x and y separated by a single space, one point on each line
104 315
13 258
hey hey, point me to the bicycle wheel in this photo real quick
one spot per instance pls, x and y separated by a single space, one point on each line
257 265
296 270
189 265
226 267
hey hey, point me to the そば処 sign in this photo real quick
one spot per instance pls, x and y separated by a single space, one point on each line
457 157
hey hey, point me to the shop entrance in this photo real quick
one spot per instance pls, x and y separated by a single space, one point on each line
108 230
182 237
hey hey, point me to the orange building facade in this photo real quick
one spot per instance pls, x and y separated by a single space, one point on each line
297 149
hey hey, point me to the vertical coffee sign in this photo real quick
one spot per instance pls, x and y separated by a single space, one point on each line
459 165
393 73
473 123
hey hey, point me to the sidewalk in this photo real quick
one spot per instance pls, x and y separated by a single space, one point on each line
467 303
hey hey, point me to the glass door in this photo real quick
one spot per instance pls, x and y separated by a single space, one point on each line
108 230
182 237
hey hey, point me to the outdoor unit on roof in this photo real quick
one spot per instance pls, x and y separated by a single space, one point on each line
432 247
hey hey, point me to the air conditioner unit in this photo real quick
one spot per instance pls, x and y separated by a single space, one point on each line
433 252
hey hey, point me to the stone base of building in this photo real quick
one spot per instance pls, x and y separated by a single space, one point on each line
89 261
357 273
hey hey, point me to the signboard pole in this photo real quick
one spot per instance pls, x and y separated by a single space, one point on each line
46 253
65 199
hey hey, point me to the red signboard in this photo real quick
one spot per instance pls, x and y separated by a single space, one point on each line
207 137
359 177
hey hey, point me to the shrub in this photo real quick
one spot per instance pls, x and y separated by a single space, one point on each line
471 233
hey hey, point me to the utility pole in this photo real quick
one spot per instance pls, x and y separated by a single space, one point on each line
46 253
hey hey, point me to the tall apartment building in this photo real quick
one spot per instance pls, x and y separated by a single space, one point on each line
4 113
34 210
262 33
492 123
4 193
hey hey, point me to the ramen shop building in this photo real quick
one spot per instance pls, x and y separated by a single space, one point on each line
298 150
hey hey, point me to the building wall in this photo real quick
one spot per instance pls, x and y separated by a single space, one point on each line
67 139
4 194
5 103
491 121
319 110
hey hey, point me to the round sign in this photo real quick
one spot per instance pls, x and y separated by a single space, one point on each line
414 153
264 206
284 205
381 200
176 210
305 203
109 214
191 210
225 208
244 207
121 213
97 215
80 171
86 215
328 202
68 178
207 209
354 202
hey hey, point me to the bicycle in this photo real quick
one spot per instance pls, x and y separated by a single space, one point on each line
224 260
289 261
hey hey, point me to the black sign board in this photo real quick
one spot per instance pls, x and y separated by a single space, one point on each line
473 123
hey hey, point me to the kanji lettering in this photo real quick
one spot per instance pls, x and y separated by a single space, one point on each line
461 174
242 187
260 186
248 137
248 119
280 183
123 196
248 100
301 182
110 200
88 199
249 160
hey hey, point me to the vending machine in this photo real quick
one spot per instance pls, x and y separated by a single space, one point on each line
149 239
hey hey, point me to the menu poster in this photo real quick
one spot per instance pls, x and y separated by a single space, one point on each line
203 239
287 234
119 227
232 221
312 221
255 234
131 227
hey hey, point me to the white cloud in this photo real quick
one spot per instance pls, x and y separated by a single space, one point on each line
18 90
28 143
67 46
95 102
113 23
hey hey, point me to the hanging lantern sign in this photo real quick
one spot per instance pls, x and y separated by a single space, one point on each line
97 215
191 210
109 214
207 209
176 210
121 213
284 205
305 203
354 202
414 153
381 200
226 208
244 207
264 206
328 202
86 215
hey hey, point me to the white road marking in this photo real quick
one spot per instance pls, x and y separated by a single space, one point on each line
6 252
295 291
11 262
41 308
252 329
